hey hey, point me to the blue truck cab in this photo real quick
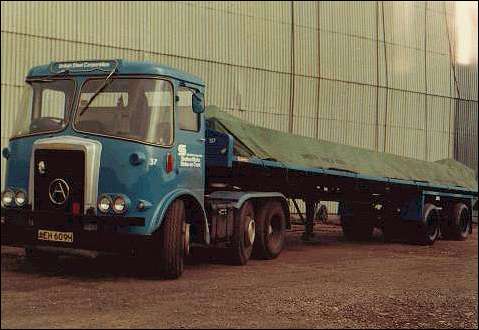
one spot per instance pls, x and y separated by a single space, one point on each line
110 156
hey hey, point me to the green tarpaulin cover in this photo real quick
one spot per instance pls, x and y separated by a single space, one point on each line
287 148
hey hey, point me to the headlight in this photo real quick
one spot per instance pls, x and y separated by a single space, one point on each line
7 198
104 204
20 198
119 205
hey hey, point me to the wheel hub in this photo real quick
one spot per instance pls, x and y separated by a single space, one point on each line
250 231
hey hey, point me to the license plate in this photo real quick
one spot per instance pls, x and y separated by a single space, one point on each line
55 236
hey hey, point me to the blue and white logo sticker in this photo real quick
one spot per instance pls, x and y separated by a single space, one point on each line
187 159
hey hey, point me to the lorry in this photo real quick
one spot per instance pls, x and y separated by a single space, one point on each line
120 156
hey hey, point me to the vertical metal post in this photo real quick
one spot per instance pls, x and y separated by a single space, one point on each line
377 78
425 80
318 19
291 100
387 80
452 85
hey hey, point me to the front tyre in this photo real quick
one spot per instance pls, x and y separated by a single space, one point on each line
172 241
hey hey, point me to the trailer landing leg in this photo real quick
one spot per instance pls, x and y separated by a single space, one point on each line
309 223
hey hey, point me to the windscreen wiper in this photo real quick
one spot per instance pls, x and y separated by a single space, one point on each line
106 82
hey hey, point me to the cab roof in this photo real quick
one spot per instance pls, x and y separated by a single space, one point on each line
103 67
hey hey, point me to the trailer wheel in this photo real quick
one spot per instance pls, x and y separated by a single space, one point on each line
322 213
171 241
458 225
243 235
428 231
270 231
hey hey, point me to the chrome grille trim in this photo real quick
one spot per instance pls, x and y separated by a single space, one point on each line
92 150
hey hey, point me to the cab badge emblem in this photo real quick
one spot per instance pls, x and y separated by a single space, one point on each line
58 191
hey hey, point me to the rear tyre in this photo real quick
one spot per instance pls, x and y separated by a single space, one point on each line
270 231
243 235
428 231
322 214
172 241
458 224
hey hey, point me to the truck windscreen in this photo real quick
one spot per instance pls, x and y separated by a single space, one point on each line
139 109
48 103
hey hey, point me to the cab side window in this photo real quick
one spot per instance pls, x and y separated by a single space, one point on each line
187 119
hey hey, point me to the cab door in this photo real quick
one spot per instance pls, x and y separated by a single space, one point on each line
190 143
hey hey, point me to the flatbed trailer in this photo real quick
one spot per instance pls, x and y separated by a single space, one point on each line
401 201
131 165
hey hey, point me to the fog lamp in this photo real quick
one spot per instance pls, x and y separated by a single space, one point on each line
119 205
104 204
20 198
7 198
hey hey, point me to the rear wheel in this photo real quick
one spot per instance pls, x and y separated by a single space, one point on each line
428 231
270 231
322 213
172 241
243 235
458 224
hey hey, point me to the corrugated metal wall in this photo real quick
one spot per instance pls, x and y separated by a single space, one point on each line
379 75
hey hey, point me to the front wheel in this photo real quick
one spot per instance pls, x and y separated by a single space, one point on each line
172 241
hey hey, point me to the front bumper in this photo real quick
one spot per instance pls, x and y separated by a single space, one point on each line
19 227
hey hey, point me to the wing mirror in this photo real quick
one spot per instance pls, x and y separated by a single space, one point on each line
6 153
198 103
